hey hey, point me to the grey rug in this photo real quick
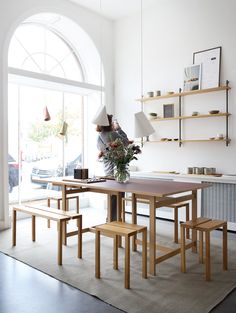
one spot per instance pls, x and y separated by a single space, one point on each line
170 291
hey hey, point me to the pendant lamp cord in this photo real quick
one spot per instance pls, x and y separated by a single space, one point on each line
141 50
101 55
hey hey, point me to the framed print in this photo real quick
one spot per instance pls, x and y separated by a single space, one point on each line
210 60
168 110
192 77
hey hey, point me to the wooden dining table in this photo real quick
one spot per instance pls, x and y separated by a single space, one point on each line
159 193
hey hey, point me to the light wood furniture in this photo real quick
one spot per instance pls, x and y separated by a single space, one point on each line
156 191
61 217
204 226
57 196
126 230
181 117
176 208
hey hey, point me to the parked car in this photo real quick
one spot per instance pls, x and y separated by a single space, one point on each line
13 173
52 168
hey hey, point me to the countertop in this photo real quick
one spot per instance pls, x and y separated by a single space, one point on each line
231 179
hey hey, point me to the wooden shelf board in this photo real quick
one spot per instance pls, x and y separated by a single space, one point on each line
189 140
188 117
184 93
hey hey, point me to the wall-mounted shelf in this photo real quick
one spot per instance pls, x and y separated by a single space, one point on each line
188 117
181 117
184 93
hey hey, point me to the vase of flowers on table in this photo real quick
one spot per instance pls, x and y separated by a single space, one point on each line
120 155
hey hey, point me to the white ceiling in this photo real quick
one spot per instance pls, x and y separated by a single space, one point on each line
115 9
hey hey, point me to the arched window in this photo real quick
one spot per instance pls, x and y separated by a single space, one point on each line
53 65
38 49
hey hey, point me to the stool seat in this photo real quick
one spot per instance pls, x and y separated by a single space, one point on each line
193 223
116 229
210 225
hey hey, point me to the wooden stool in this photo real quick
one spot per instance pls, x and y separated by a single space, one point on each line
56 195
176 208
204 225
116 229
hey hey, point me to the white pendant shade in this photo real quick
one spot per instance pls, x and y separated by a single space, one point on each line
101 118
142 126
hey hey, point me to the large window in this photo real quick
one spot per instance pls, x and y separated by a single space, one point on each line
36 147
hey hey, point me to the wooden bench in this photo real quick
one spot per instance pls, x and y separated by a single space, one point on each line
176 208
57 196
61 217
116 229
204 226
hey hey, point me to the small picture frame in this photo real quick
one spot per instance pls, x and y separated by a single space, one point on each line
192 77
210 60
168 110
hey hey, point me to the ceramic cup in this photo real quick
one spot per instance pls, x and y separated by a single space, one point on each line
157 93
150 93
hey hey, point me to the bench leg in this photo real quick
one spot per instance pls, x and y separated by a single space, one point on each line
127 262
77 204
49 205
115 252
182 249
208 256
79 224
144 254
97 254
33 228
187 219
176 225
60 230
14 227
225 249
201 247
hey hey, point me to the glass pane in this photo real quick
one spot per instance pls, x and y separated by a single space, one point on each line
74 137
42 51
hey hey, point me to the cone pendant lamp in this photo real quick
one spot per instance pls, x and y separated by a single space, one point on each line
101 118
142 126
46 114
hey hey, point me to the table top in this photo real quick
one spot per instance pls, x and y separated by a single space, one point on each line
158 188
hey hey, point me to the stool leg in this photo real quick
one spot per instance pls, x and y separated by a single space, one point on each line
225 249
201 247
14 227
127 262
33 228
97 254
49 204
144 254
79 224
208 256
176 225
58 204
115 253
77 204
187 219
182 249
60 229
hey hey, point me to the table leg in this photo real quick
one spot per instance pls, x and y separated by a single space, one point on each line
134 220
194 217
119 212
127 262
152 237
109 208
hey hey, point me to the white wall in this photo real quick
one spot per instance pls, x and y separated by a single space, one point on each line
11 14
172 31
